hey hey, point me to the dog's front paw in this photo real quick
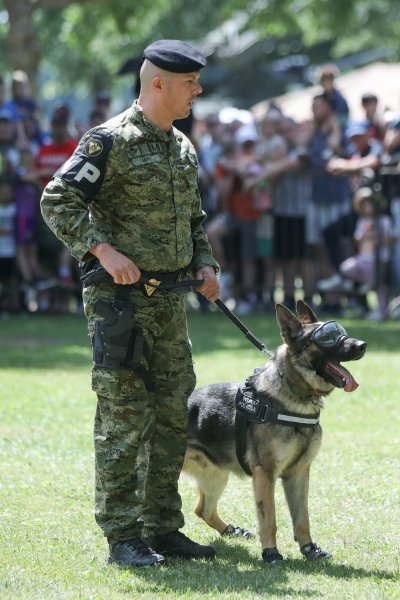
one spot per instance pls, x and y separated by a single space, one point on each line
232 531
312 552
272 556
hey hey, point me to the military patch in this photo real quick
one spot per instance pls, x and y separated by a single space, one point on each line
87 175
93 148
150 289
147 152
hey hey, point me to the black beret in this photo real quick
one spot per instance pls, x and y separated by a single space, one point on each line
175 56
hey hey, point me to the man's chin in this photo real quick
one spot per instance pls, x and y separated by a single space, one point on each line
183 116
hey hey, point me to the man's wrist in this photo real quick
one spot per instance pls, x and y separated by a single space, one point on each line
100 249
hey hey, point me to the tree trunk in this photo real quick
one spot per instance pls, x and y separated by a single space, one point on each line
23 41
22 44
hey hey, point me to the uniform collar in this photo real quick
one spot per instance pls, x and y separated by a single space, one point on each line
138 115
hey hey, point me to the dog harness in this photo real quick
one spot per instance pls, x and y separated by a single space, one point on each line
256 407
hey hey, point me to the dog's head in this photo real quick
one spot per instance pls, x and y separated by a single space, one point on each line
320 346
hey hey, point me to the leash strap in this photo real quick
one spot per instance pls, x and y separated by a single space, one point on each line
93 273
250 336
188 283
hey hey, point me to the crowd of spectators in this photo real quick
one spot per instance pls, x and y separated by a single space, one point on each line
284 208
294 207
37 273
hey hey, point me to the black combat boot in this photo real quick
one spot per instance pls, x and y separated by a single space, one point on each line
133 553
179 545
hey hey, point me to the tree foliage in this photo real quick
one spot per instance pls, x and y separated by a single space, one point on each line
85 42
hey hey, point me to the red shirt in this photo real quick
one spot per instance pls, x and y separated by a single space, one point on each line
241 203
51 157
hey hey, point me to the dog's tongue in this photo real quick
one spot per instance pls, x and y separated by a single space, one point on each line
350 383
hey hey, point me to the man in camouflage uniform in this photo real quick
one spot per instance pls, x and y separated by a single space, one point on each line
129 197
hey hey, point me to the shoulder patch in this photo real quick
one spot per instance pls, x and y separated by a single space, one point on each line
86 168
93 147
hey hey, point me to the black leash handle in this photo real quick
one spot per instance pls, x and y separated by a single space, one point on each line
250 336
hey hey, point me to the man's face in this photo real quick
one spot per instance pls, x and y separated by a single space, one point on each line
181 92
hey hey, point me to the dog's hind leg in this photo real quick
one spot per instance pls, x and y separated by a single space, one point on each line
211 482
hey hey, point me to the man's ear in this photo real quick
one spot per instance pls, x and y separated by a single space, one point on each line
157 83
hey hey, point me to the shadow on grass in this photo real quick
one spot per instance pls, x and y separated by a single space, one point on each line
245 573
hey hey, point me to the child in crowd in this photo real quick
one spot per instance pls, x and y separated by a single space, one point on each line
8 278
376 125
373 235
27 196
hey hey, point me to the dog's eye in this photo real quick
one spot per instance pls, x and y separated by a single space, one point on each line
329 334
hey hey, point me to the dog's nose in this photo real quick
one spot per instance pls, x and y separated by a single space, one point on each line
361 346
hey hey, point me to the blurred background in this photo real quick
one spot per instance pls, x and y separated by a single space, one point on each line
259 49
265 137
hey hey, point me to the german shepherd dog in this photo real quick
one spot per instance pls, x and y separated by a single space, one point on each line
304 369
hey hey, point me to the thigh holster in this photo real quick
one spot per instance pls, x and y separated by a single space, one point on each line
116 342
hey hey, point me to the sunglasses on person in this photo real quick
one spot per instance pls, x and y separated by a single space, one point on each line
328 335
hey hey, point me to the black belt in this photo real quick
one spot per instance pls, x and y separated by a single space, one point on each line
163 276
92 273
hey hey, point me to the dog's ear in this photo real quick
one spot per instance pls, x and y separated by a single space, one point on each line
290 325
306 314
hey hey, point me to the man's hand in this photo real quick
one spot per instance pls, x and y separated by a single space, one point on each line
119 266
210 287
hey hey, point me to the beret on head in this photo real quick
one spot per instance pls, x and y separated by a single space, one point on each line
175 56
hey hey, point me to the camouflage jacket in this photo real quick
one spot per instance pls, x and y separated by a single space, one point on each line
134 186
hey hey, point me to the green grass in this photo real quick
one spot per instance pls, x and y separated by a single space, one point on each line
50 546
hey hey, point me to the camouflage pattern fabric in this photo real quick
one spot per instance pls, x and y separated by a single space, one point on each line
135 187
140 436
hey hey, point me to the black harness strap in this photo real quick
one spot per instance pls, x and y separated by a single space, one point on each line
241 424
256 407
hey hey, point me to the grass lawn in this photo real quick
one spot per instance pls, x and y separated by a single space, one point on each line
50 546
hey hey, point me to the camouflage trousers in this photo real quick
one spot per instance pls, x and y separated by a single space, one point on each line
140 436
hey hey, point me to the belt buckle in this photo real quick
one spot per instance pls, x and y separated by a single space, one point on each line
149 289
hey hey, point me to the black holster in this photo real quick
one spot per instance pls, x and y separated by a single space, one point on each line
116 342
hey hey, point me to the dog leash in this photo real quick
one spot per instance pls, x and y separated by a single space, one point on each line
99 274
250 336
222 306
193 283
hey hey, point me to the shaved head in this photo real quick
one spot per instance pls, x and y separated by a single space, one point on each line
148 71
167 95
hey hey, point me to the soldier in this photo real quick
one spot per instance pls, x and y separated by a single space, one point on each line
129 197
